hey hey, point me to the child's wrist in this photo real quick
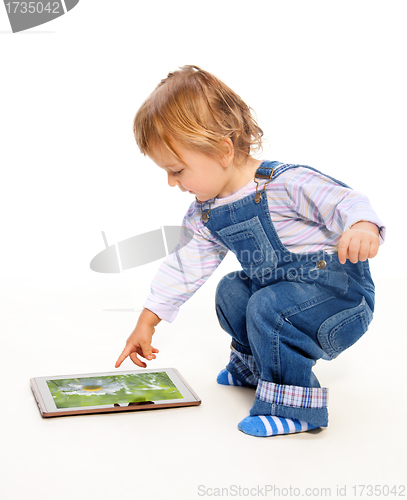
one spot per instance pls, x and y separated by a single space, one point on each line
148 318
363 225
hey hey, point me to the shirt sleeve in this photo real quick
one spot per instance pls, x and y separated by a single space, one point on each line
186 269
319 199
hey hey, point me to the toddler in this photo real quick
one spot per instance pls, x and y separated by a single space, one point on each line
302 238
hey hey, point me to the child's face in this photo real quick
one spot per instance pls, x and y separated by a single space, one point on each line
202 175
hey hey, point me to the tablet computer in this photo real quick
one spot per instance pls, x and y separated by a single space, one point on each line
112 392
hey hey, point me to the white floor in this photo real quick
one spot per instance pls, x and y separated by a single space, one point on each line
328 88
191 452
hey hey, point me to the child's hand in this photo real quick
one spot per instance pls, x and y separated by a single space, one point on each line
139 341
360 242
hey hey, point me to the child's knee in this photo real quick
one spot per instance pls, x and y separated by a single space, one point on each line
231 287
262 304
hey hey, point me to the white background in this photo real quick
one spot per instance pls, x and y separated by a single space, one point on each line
327 81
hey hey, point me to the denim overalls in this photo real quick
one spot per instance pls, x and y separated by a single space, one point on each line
285 310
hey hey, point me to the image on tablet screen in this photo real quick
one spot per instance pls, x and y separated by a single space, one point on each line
112 389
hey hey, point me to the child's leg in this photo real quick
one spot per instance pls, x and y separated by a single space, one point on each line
284 328
282 324
232 296
287 324
232 299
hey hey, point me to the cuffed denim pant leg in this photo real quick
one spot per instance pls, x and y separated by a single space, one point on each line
274 344
232 296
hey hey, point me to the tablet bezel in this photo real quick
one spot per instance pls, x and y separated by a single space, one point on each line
48 408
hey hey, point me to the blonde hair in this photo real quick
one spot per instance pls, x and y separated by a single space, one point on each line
195 109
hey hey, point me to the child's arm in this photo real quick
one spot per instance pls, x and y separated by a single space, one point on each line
359 242
139 341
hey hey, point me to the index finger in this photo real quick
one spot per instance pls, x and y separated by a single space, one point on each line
126 352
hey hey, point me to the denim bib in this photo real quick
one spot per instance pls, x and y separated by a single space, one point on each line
245 227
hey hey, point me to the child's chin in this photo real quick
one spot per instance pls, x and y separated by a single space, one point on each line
201 198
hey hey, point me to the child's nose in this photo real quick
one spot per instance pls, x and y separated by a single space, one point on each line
172 181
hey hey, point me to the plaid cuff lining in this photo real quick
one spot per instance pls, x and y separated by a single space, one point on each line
245 366
291 395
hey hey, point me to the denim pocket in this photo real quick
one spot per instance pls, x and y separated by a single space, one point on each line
249 242
342 330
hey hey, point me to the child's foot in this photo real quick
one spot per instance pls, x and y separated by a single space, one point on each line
226 378
266 425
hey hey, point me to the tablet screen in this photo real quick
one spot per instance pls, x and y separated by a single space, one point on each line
112 389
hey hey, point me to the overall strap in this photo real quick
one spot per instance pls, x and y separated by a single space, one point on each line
267 167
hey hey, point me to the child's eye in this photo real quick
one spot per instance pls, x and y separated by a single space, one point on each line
179 172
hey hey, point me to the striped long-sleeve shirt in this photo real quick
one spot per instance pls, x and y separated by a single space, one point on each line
309 211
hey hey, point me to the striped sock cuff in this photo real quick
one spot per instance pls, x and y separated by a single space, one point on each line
279 425
245 366
292 396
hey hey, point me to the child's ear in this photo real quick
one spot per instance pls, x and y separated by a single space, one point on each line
226 158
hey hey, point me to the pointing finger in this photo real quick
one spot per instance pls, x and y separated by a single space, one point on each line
126 351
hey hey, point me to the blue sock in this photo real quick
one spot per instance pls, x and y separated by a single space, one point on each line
226 378
266 425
